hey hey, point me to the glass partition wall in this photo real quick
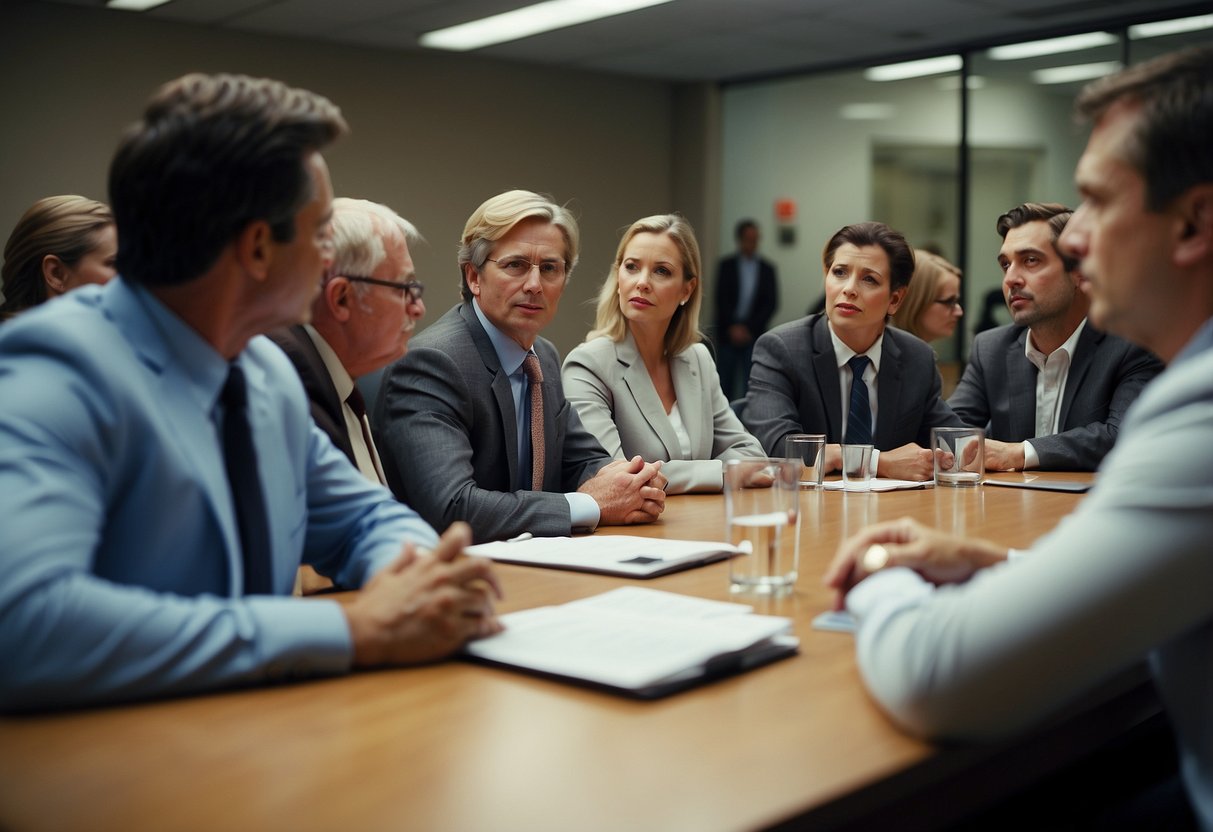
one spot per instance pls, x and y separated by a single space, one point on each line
938 156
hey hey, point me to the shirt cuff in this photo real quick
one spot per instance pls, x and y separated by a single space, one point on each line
583 511
887 591
875 461
1030 459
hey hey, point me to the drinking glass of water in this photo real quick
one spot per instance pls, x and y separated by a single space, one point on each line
762 499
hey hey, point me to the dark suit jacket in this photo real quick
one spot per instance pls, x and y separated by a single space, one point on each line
447 435
998 391
728 287
322 395
794 388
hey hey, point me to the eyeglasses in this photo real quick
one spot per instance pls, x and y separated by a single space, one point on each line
951 302
415 288
549 270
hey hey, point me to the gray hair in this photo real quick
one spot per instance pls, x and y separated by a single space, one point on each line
359 229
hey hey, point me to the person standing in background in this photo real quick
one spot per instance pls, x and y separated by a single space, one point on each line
747 295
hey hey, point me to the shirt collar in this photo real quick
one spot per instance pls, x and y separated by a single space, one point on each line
509 353
343 382
843 353
1038 358
200 364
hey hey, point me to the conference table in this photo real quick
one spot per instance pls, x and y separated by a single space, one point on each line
460 746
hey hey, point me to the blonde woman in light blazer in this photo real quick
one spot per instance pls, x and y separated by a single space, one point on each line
642 382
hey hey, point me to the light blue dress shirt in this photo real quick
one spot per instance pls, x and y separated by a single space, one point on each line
118 540
583 509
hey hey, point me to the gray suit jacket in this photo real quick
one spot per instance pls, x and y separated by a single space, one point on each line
614 395
447 435
998 391
794 388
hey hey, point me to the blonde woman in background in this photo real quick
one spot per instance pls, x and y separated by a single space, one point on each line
60 243
643 383
931 308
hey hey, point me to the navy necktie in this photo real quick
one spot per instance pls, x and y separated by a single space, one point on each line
240 460
859 416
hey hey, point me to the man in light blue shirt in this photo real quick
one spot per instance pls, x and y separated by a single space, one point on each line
125 551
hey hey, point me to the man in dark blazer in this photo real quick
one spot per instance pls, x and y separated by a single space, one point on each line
747 295
1050 389
453 417
795 388
361 320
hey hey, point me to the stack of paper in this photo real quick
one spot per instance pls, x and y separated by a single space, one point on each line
630 556
875 484
642 642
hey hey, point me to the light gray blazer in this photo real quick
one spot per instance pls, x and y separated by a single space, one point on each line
610 387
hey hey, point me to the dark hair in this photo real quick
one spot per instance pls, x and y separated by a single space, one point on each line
212 154
901 256
1053 213
741 227
1169 145
65 226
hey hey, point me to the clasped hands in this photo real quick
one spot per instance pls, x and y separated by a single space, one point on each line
424 606
628 491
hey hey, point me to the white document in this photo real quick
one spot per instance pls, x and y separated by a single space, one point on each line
640 641
876 484
627 555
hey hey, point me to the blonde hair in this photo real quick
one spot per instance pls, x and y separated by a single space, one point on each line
65 226
494 219
683 330
929 270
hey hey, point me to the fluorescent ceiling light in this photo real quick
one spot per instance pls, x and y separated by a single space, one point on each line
867 112
1171 27
527 21
134 5
1077 72
913 69
1052 46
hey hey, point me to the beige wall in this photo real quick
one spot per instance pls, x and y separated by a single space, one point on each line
433 134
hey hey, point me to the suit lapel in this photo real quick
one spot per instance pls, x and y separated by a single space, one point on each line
696 417
825 368
1084 357
1021 389
888 393
636 378
500 386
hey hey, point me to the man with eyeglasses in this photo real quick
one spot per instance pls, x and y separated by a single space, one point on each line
362 319
1050 389
473 422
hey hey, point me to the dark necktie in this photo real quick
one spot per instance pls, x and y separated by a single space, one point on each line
240 460
358 404
859 416
534 375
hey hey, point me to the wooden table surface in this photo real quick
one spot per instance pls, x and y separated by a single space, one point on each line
457 746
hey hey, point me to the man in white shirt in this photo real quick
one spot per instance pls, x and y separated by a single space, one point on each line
361 320
1126 576
1050 389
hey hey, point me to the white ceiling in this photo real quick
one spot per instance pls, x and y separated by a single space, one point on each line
689 40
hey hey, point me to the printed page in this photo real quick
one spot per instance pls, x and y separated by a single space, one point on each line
612 643
615 554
